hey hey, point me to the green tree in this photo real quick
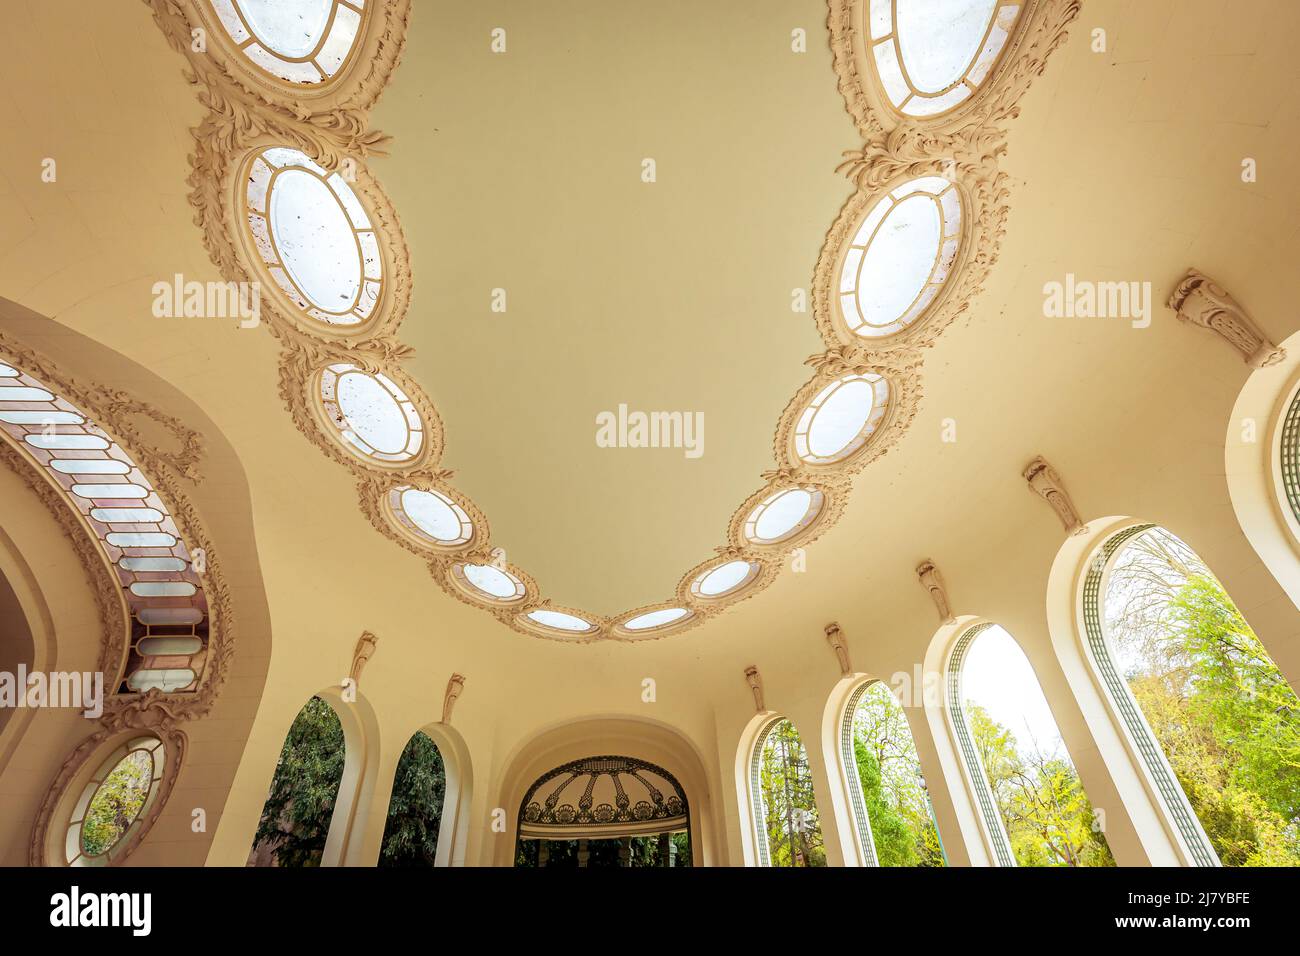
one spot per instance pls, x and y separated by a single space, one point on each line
116 803
1047 815
296 817
415 807
1226 719
794 834
889 771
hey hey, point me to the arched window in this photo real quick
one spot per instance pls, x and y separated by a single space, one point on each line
415 807
1033 805
296 818
1289 458
1216 725
785 810
604 811
888 796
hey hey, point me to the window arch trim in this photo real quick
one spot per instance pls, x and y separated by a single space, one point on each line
994 828
849 767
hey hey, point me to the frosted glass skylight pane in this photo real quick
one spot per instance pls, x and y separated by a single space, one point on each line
141 539
655 618
127 515
723 578
899 260
66 441
315 240
90 466
782 515
123 490
841 418
432 514
22 393
41 418
940 38
152 564
372 412
292 28
490 580
560 620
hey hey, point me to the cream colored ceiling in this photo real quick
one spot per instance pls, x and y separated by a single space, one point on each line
521 171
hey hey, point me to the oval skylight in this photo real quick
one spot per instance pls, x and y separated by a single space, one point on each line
298 41
931 56
314 237
432 516
840 418
559 620
900 257
724 579
374 418
782 515
490 582
653 619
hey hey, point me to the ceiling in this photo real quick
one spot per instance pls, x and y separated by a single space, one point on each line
522 171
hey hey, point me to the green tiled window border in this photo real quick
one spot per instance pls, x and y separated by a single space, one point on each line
849 758
756 793
1152 755
975 770
1289 451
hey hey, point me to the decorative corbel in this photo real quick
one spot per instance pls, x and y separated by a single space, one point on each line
1199 300
1047 484
454 686
931 580
836 638
756 685
365 650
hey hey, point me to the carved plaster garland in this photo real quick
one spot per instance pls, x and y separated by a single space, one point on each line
249 111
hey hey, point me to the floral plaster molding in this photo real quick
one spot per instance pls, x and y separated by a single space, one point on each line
1042 28
337 106
248 112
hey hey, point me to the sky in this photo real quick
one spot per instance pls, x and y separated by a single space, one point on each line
997 676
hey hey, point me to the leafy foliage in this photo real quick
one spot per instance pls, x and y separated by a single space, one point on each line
604 853
296 817
117 803
415 808
889 771
1048 817
1227 720
794 834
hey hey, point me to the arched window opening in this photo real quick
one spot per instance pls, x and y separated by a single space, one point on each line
296 817
890 802
1030 796
785 810
604 811
1289 455
415 807
1215 721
